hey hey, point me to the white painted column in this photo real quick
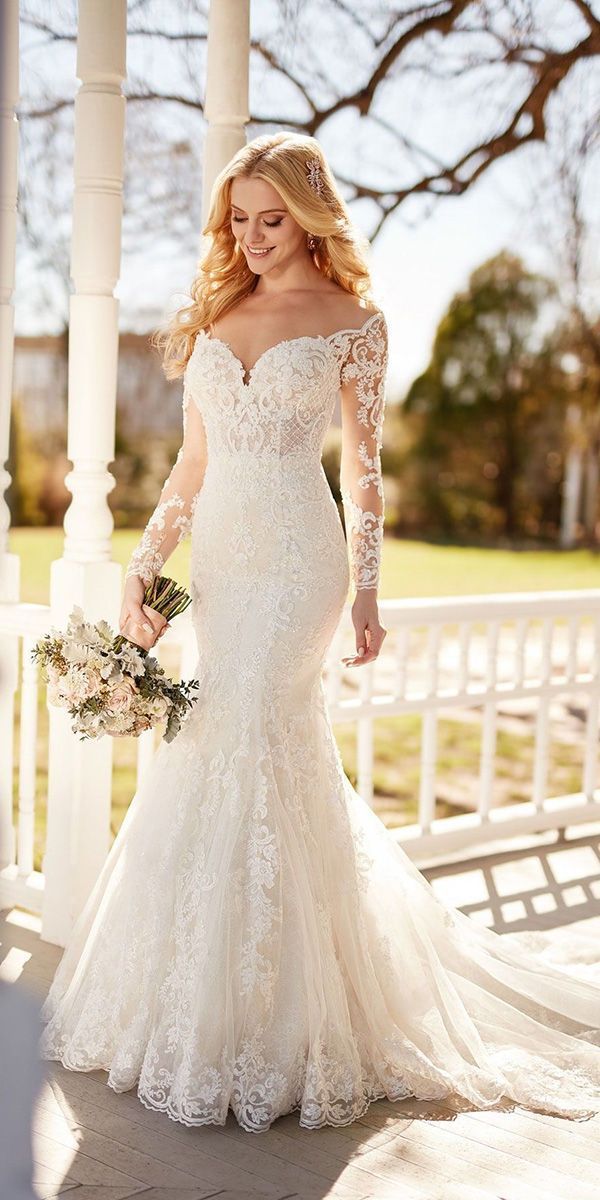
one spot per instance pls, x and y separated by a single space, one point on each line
9 563
79 785
226 105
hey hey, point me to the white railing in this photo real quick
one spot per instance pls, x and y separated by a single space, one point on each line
445 657
442 659
20 627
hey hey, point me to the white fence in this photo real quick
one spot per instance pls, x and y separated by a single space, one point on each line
482 654
442 659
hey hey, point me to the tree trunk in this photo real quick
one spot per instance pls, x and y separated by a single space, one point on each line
573 478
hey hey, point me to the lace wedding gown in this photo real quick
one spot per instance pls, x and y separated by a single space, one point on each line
256 938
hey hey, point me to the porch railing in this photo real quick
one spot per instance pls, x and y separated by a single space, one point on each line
443 658
449 656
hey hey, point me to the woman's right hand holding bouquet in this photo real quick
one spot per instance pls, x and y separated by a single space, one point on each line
138 622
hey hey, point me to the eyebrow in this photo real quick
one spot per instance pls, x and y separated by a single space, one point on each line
263 210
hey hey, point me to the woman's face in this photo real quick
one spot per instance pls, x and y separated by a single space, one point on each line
265 229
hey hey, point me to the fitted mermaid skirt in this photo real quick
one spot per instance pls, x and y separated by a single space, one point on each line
256 939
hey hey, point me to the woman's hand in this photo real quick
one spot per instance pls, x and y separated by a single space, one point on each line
367 627
138 622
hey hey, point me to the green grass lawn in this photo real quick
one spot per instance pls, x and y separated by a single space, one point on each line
408 569
422 569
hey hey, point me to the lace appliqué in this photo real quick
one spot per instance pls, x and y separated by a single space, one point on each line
364 366
365 531
367 365
165 530
373 472
147 560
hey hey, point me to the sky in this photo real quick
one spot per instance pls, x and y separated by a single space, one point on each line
417 265
417 271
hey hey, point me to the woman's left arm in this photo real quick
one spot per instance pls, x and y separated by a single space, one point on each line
363 376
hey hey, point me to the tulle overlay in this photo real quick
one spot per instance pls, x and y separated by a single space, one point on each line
256 938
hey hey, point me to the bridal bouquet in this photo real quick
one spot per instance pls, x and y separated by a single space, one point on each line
110 684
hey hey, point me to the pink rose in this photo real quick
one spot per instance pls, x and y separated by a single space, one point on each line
121 697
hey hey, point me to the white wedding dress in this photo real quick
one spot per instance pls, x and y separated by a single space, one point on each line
256 938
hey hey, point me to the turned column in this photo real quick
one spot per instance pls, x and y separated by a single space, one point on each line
80 772
226 106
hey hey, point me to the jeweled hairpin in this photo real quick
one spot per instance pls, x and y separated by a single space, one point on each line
313 171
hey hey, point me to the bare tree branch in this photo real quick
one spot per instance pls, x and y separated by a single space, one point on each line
418 24
446 89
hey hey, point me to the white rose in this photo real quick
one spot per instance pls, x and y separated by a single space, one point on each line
159 707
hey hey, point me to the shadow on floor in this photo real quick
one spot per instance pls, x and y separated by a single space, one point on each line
538 888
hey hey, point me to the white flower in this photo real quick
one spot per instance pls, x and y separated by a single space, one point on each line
119 723
111 670
132 661
77 652
159 707
77 685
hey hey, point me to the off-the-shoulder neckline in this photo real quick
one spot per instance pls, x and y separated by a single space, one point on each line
307 337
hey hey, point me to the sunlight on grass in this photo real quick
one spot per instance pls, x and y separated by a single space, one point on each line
409 568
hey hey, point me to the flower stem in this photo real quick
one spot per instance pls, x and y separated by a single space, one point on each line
166 597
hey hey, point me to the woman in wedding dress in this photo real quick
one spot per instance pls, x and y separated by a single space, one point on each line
256 938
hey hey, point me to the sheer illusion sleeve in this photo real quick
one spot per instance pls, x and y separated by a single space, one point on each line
172 517
362 377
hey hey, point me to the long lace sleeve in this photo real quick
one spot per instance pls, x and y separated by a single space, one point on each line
172 517
362 377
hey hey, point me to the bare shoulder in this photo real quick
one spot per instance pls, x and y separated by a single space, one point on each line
341 310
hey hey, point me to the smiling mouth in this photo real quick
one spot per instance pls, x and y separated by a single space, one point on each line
259 253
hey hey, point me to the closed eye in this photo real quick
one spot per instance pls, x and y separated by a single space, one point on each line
271 224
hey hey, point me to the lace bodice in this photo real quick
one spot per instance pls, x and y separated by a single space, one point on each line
281 407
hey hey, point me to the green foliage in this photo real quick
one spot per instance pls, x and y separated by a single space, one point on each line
140 468
27 468
486 416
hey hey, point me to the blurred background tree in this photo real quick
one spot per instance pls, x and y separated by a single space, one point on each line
560 218
486 412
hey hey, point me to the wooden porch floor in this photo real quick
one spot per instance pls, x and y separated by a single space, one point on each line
97 1145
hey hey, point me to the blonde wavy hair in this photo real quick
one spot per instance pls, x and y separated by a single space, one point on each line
224 277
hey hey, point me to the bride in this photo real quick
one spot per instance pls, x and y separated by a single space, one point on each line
256 939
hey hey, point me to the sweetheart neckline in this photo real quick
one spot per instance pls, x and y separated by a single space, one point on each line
303 337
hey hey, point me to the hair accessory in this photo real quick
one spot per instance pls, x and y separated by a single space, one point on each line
313 171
